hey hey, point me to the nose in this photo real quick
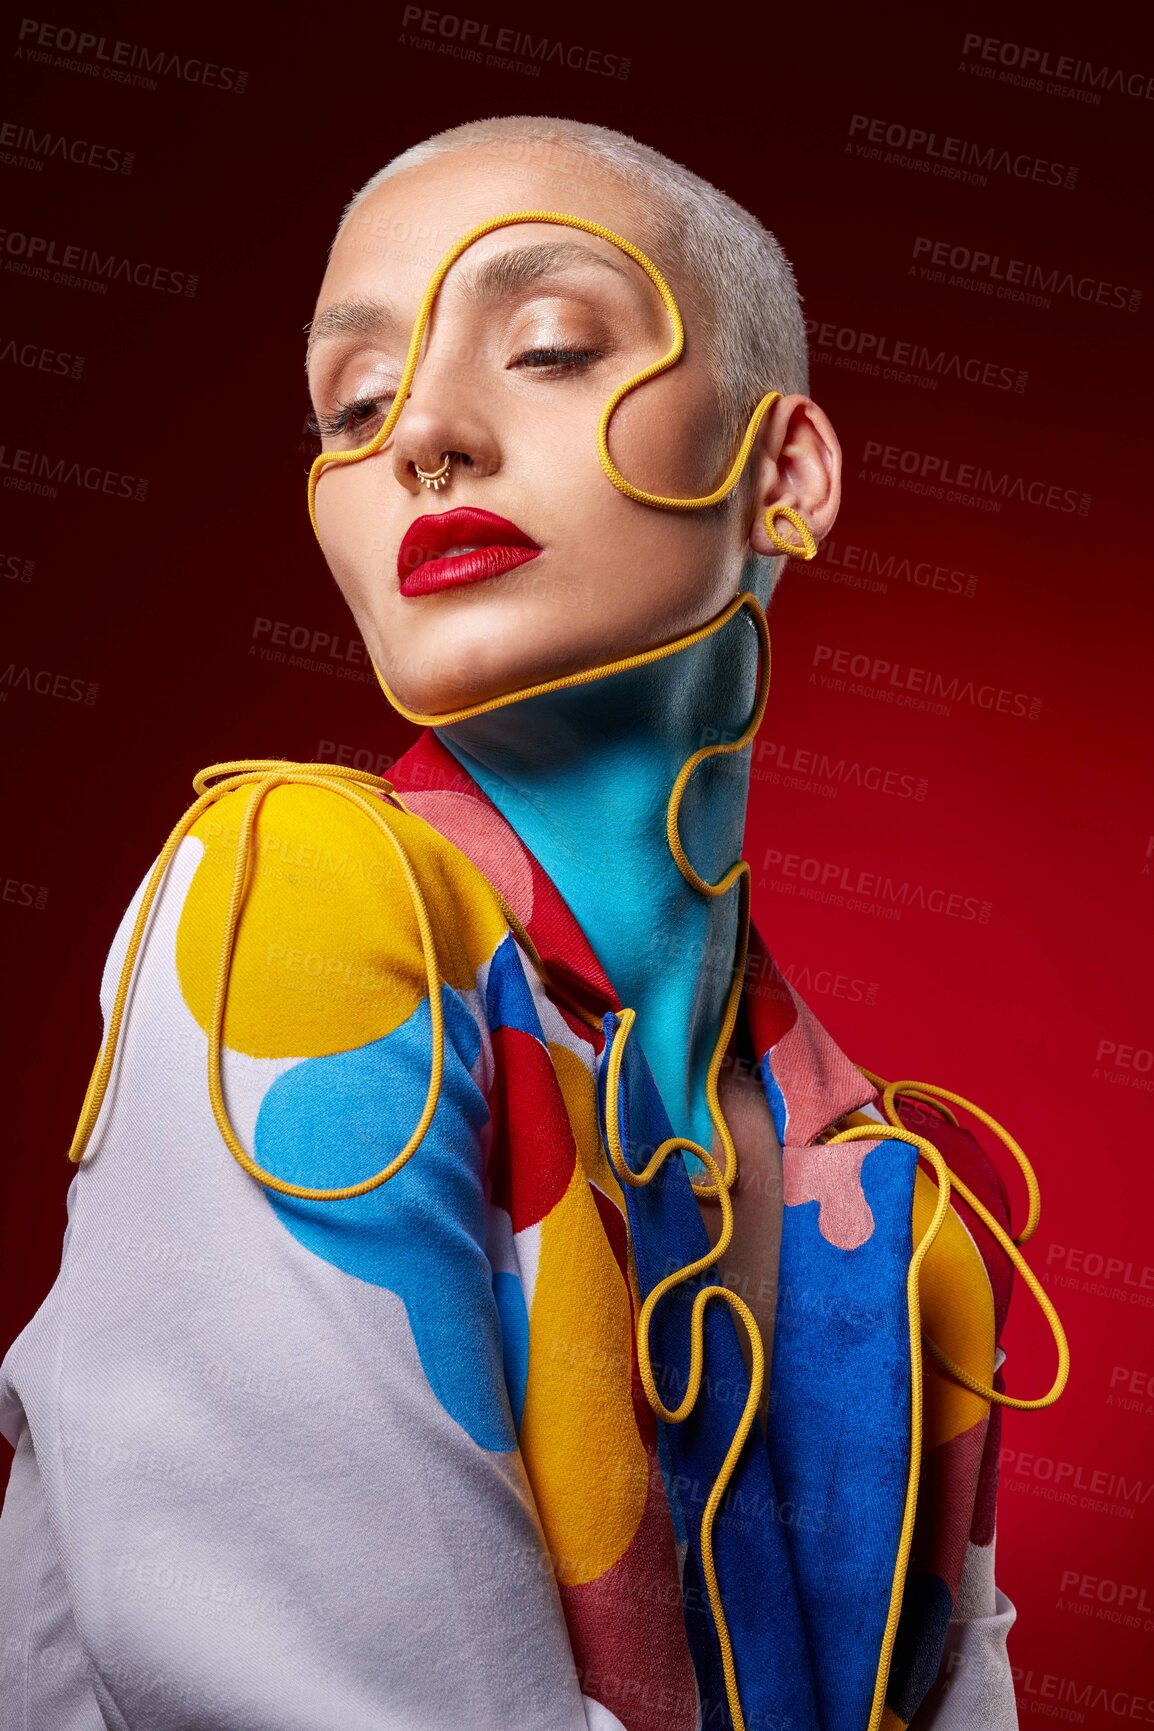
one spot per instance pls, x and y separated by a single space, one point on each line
443 416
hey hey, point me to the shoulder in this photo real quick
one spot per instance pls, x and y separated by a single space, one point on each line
323 910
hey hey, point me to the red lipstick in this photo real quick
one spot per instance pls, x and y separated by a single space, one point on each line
462 546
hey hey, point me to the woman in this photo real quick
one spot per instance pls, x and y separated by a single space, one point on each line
457 1157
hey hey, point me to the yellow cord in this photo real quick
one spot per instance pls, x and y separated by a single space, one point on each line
262 775
701 1299
905 1540
622 665
929 1092
508 220
934 1096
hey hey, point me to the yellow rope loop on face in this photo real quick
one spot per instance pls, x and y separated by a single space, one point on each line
263 775
672 355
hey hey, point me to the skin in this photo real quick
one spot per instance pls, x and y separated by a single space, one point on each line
749 1264
614 576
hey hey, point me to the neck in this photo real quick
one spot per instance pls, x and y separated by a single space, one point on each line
584 775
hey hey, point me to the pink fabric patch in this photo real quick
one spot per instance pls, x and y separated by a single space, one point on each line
814 1074
480 831
830 1175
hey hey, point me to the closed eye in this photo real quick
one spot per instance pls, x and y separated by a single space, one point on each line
349 416
557 360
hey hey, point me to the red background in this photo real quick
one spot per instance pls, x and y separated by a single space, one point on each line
1036 1011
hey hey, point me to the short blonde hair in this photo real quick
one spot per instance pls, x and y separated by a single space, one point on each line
754 335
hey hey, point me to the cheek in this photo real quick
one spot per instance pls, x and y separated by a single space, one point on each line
666 438
351 524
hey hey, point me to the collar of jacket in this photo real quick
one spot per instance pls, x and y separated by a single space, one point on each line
809 1080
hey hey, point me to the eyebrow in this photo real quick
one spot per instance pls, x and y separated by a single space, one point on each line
501 275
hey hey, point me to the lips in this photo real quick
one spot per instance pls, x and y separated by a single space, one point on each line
461 546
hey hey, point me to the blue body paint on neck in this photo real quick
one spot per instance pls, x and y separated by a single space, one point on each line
584 776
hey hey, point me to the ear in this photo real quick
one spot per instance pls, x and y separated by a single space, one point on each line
797 461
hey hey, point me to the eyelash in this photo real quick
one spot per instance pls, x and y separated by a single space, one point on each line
560 361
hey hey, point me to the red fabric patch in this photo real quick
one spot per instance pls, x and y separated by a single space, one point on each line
531 1174
650 1684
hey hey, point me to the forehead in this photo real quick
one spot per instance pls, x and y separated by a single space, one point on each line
406 225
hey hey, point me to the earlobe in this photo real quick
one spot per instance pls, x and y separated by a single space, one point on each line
801 484
805 548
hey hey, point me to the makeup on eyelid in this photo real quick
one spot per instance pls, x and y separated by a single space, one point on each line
550 359
608 332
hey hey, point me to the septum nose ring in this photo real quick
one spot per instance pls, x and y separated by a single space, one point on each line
437 478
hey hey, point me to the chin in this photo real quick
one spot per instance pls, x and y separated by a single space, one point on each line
443 669
438 685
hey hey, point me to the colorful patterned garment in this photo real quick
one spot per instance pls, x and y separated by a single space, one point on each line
385 1463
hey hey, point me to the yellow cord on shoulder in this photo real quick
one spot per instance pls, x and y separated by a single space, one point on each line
929 1092
262 775
935 1096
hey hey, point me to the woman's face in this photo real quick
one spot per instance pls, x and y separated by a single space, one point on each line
533 328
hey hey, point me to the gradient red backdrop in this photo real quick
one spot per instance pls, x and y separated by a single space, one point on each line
950 818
